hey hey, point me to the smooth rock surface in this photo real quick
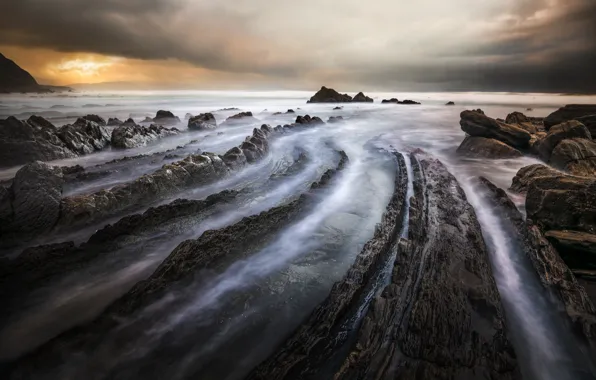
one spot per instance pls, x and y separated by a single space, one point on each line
477 124
481 147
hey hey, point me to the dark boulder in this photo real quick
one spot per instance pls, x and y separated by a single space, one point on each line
450 104
240 118
40 123
477 124
576 156
335 119
307 119
392 100
590 123
408 101
329 95
204 121
527 174
563 202
96 119
566 130
482 147
34 199
522 121
361 98
569 112
129 121
166 117
337 108
22 142
577 249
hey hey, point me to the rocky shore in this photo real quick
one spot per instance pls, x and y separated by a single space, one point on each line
419 298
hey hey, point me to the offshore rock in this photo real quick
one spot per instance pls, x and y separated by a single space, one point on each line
361 98
477 124
329 95
114 122
204 121
481 147
166 117
96 119
84 136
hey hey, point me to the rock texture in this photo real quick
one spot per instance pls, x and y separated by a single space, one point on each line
563 202
481 147
361 98
190 261
477 124
590 122
441 316
577 249
569 112
14 79
522 121
554 274
240 118
576 156
527 174
132 136
556 134
32 203
202 122
329 95
165 117
313 343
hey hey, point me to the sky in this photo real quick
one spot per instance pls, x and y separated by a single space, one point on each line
421 45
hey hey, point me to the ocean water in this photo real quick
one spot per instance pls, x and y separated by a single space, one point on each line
290 276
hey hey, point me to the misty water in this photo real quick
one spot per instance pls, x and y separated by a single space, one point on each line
235 317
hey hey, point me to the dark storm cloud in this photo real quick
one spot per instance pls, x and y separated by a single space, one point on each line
499 45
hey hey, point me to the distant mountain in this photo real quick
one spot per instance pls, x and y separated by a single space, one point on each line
14 79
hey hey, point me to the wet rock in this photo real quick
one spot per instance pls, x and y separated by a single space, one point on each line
166 117
577 249
202 122
21 142
361 98
307 119
32 204
481 147
408 101
576 156
96 119
114 122
558 133
477 124
312 343
555 276
337 108
40 123
522 121
335 119
329 95
590 122
450 104
569 112
129 122
240 118
147 120
126 137
290 111
527 174
563 202
392 100
84 136
441 316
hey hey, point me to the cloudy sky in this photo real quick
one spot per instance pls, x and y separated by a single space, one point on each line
492 45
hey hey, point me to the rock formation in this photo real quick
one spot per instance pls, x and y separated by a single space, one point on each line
569 112
14 79
558 133
527 174
576 156
165 117
240 118
22 142
329 95
129 136
479 125
361 98
481 147
202 122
